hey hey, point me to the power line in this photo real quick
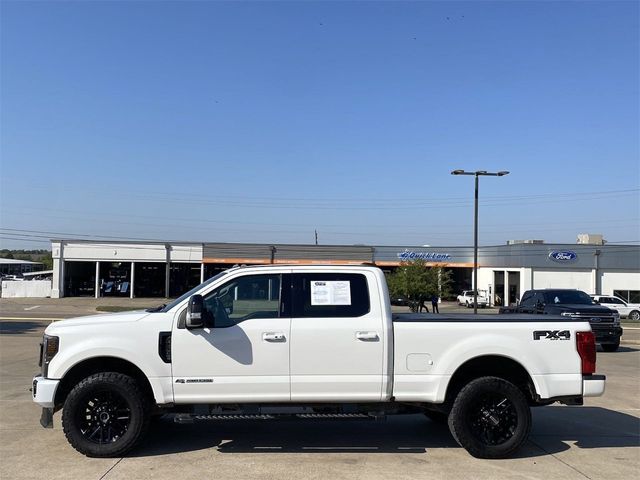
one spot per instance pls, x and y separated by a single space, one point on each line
538 249
360 203
25 240
172 221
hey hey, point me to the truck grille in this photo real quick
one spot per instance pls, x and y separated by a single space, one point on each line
595 319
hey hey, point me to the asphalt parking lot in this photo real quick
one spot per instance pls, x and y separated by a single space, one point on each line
598 440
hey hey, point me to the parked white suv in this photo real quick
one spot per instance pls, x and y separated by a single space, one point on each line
466 298
626 310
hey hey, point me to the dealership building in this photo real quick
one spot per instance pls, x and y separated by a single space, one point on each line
148 269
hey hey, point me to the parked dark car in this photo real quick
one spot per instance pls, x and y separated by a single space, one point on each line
399 301
604 321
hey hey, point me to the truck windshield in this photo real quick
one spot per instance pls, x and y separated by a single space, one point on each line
184 296
567 296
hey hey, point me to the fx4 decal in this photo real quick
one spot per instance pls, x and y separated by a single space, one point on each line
552 334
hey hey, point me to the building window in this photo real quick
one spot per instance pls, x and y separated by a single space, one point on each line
629 296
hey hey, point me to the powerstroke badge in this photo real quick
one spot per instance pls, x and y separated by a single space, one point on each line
194 380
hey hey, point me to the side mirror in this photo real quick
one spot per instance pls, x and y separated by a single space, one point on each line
195 310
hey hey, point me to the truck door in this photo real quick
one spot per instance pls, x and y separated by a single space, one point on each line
337 338
242 355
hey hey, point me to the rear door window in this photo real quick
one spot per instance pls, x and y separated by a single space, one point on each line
330 295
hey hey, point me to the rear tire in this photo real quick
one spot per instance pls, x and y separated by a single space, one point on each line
490 418
105 415
635 315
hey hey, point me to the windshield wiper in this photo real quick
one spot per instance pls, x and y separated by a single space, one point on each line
156 309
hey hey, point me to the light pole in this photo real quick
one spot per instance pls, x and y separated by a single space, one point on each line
477 174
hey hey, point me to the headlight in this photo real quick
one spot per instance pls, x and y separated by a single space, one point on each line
50 346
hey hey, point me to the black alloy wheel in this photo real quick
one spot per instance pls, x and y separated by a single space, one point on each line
104 417
493 419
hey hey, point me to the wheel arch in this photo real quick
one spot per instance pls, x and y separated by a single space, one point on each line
93 365
500 366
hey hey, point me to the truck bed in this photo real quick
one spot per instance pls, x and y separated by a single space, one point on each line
482 318
429 348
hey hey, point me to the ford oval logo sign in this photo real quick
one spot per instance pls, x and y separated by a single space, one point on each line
563 256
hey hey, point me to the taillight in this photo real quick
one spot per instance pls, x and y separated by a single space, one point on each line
586 343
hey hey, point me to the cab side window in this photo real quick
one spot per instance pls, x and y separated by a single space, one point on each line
244 298
330 295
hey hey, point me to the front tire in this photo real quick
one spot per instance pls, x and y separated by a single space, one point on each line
611 347
105 415
490 418
635 316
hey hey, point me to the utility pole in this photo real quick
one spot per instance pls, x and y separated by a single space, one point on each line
316 232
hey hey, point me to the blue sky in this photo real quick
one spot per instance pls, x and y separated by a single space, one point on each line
260 122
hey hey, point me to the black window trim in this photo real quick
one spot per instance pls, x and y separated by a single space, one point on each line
297 277
284 307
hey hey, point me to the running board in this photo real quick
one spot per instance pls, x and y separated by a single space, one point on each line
188 418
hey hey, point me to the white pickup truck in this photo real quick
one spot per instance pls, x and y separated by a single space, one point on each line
308 341
466 298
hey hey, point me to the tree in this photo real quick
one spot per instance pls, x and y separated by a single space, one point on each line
41 256
415 281
47 261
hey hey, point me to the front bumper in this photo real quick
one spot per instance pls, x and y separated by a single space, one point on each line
44 391
593 385
606 334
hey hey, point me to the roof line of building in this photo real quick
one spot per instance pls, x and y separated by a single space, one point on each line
363 246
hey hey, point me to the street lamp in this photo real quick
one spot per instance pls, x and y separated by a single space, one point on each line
477 174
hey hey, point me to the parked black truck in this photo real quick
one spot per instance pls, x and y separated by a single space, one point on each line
604 321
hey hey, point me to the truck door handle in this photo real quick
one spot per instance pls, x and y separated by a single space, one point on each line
273 337
367 336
